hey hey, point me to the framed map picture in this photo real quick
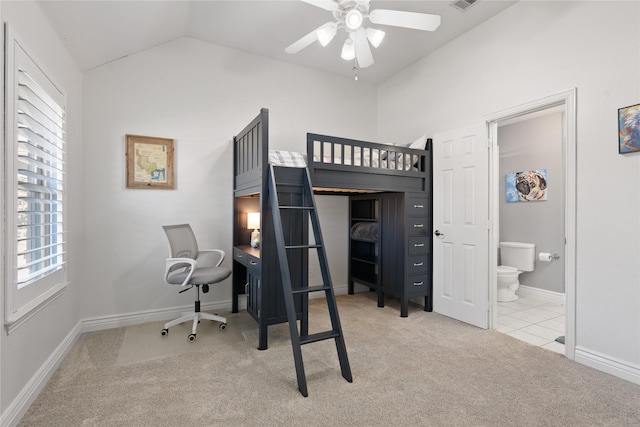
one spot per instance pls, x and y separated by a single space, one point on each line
149 162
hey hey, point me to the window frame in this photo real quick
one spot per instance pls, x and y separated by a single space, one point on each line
22 303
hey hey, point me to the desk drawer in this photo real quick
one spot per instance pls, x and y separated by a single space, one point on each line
245 259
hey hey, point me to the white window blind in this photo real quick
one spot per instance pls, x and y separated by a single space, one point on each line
35 177
40 178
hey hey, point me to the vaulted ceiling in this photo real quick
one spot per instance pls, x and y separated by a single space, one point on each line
97 32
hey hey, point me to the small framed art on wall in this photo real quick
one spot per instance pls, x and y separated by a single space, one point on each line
629 129
149 162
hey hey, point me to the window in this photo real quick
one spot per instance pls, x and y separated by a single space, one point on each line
35 186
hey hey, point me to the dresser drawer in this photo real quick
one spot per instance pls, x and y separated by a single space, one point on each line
417 284
417 265
417 226
418 245
418 206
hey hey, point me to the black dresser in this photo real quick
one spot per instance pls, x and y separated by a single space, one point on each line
397 261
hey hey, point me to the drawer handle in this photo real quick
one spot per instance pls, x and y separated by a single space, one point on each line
418 283
252 262
418 206
240 256
418 245
418 264
418 225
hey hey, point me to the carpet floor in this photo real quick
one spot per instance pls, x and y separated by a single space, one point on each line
423 370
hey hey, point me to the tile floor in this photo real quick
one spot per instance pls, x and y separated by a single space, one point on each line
534 321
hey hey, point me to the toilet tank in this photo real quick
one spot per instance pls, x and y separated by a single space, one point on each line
517 254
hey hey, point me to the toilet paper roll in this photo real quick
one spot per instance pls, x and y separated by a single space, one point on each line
545 257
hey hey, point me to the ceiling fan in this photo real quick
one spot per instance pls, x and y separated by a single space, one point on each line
350 15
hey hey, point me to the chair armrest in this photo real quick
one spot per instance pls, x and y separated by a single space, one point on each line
172 265
206 252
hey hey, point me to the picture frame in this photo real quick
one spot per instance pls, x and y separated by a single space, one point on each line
526 186
629 129
149 162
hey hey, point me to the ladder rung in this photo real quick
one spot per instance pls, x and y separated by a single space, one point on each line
310 289
321 336
303 247
301 208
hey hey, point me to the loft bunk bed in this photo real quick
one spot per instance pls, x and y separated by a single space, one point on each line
389 189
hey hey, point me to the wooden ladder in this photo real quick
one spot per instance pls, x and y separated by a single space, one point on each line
307 205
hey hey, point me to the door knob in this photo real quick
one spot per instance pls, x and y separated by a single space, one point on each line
438 233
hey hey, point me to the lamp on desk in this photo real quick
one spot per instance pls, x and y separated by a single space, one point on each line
253 221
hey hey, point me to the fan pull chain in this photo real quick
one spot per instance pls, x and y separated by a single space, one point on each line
355 70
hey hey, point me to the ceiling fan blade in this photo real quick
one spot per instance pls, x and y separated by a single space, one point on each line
363 51
305 41
324 4
414 20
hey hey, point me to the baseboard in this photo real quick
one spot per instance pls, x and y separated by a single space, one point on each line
608 364
130 319
541 294
341 289
337 290
16 409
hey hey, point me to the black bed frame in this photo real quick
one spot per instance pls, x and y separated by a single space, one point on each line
335 171
337 167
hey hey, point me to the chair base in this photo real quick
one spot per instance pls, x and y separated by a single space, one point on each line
195 318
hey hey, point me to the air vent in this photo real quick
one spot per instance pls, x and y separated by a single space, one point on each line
463 4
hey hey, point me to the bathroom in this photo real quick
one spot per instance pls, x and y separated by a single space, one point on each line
534 143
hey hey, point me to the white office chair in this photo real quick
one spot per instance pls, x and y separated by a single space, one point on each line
188 266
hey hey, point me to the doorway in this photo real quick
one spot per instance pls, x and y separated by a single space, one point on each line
559 108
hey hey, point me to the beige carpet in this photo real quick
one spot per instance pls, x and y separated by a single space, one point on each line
422 370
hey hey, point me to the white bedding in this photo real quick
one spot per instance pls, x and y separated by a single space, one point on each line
290 159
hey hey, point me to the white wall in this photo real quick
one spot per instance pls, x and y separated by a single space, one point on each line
535 143
28 348
200 95
530 51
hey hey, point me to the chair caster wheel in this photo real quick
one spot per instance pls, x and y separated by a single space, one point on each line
192 337
223 326
164 332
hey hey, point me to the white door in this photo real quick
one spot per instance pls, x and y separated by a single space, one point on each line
460 224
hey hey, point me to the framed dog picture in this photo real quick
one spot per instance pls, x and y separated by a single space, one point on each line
629 129
527 186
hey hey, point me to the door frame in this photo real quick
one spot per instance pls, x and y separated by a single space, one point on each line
566 99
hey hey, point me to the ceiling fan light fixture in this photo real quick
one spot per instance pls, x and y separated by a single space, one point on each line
375 36
350 15
326 34
348 50
353 19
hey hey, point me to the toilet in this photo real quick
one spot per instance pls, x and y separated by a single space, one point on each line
515 257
